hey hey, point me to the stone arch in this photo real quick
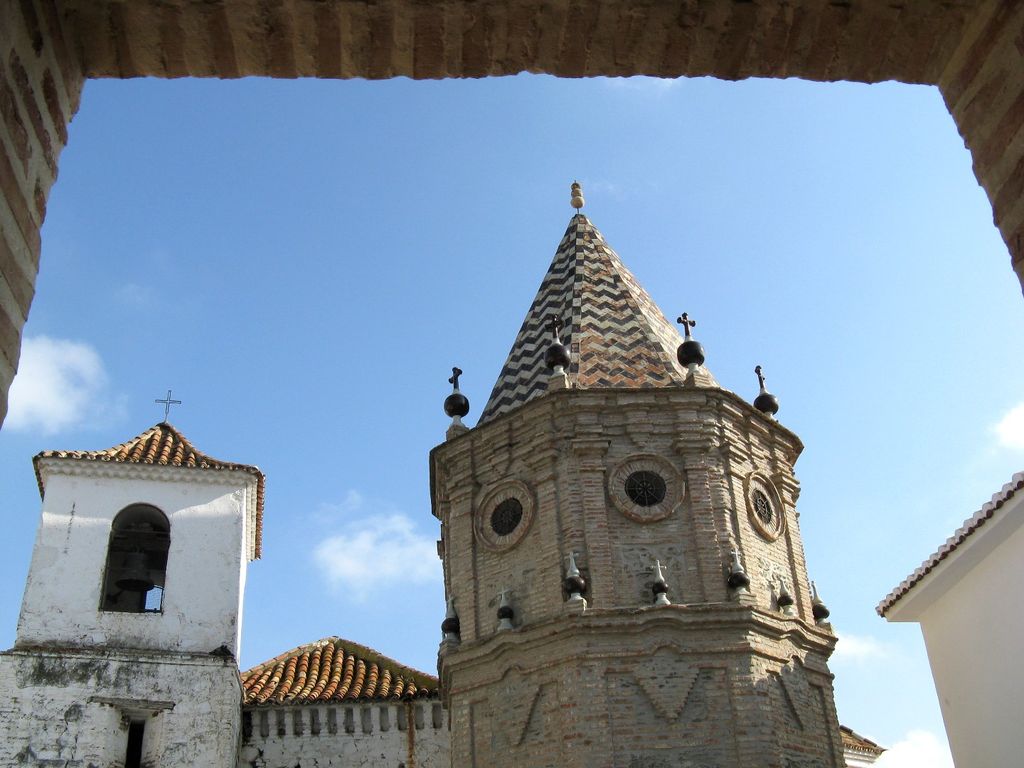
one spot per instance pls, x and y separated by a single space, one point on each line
973 50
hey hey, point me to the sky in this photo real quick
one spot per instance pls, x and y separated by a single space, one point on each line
302 262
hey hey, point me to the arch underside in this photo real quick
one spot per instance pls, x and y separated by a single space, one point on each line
973 50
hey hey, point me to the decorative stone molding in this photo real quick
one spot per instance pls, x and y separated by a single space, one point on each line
674 488
508 490
758 489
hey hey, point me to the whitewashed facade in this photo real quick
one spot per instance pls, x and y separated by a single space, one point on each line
82 680
967 599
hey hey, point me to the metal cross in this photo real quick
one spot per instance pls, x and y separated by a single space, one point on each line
555 324
454 380
167 403
760 376
685 321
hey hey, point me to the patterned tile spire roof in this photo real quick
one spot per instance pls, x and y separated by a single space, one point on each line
333 669
162 445
619 337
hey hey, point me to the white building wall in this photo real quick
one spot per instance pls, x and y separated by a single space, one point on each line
354 735
72 709
205 567
973 632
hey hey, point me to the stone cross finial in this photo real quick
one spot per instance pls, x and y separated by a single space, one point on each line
760 376
454 380
555 324
167 403
685 321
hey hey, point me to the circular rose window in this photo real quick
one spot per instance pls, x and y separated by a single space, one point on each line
764 506
504 515
645 488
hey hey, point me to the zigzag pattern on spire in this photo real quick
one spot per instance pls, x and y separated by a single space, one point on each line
619 337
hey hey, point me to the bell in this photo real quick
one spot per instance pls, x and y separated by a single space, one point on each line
135 574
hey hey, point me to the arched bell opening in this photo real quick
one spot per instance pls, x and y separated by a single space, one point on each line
136 566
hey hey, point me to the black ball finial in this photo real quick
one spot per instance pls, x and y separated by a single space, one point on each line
765 402
819 610
456 404
556 356
690 352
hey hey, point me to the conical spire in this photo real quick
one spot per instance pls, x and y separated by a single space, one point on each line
618 336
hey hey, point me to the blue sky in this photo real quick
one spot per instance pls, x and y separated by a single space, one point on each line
303 262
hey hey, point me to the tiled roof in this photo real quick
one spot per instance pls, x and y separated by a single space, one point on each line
854 741
619 337
970 525
162 445
333 669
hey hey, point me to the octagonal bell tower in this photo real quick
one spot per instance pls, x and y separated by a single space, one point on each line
622 553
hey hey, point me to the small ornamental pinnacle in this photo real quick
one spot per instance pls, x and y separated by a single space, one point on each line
765 402
818 608
451 630
660 586
784 600
557 356
505 612
577 200
738 579
574 583
690 352
456 404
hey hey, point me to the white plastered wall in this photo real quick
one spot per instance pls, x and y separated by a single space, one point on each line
354 734
206 563
972 616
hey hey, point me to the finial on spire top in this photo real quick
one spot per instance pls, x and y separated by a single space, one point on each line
765 402
577 200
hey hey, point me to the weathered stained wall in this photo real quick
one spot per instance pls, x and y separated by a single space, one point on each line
973 49
346 735
72 708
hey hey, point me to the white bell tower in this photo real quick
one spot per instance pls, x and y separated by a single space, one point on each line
131 620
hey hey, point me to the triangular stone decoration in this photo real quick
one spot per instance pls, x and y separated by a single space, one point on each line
531 715
617 335
522 695
787 696
667 692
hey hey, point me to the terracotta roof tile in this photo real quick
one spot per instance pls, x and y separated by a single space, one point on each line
333 669
162 445
854 741
970 525
618 336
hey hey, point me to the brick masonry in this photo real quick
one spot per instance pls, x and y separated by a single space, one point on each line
972 49
716 678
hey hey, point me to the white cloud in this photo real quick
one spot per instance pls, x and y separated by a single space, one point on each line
370 552
918 749
1010 429
134 295
60 384
860 649
643 83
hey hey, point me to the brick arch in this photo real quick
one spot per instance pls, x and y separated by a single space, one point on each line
973 50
